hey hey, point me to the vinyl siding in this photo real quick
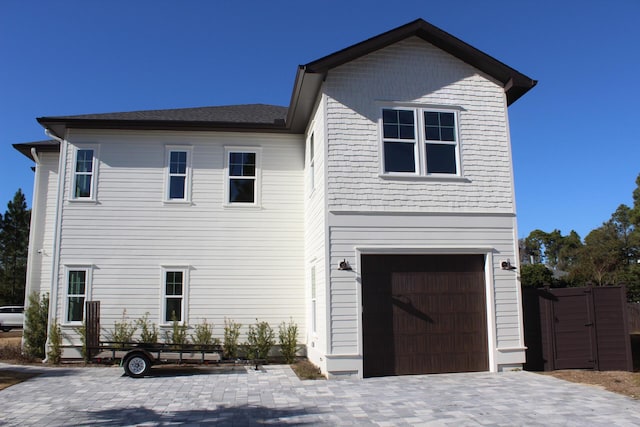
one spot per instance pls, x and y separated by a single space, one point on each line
42 224
315 236
245 263
421 234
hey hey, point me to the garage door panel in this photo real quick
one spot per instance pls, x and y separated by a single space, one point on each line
427 314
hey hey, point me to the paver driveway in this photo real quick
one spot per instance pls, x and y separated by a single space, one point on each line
273 395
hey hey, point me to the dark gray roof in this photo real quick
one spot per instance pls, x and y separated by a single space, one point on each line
48 145
307 84
248 113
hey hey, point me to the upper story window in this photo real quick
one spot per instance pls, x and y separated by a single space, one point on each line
242 176
83 174
178 174
420 141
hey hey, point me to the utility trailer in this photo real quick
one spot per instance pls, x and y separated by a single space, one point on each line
137 358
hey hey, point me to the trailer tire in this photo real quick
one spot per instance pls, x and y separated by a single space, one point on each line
137 365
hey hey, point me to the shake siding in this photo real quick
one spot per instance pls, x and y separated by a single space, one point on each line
438 215
413 71
43 224
245 262
315 236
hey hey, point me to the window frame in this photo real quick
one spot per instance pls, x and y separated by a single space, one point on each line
257 196
314 306
420 142
168 174
312 162
93 174
184 309
88 270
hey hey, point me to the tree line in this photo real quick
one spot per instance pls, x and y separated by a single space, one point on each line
608 255
14 245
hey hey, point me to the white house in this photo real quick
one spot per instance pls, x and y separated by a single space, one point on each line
377 211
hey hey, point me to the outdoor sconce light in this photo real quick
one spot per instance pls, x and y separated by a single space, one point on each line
344 265
506 265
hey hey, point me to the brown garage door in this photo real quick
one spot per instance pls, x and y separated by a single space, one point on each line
423 314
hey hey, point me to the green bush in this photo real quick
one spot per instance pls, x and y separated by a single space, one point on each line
260 340
148 330
122 331
231 335
177 335
288 337
203 334
35 325
55 343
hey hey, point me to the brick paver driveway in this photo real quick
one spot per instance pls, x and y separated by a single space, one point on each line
273 395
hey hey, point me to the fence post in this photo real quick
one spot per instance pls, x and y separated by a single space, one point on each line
92 328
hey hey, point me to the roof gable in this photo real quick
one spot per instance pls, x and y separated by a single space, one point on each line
307 84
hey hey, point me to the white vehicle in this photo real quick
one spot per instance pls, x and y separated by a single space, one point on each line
11 317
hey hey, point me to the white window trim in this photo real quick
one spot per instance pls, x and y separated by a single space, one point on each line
257 203
87 291
420 143
314 300
94 173
188 174
184 315
311 143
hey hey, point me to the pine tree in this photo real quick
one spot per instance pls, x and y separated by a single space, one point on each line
14 244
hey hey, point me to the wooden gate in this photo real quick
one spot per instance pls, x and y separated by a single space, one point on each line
576 328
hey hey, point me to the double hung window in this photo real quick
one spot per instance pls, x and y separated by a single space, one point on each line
178 174
173 301
420 141
77 290
242 175
83 174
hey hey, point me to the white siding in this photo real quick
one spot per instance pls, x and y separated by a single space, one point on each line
421 234
245 262
315 236
413 71
42 224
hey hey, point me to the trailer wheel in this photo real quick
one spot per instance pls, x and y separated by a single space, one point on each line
137 365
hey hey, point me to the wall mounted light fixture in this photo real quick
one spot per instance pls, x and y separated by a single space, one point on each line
344 265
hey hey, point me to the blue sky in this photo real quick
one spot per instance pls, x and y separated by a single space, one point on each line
576 146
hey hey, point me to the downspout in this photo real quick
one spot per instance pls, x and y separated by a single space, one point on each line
55 264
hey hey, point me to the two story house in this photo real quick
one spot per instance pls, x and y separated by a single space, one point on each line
376 211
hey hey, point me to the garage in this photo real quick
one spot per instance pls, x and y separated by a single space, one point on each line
423 314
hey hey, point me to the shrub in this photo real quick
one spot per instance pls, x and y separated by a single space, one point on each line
288 337
148 330
55 343
204 334
177 334
231 336
35 327
260 340
122 331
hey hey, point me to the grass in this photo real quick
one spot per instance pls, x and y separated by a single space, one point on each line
9 377
306 370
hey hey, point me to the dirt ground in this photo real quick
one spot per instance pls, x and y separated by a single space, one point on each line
627 383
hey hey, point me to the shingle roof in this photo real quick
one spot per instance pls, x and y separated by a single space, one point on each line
48 145
307 84
248 113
